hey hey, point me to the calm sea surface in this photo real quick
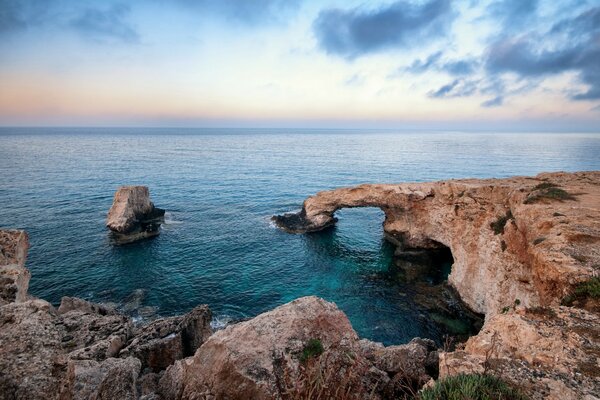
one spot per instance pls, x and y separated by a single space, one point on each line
219 188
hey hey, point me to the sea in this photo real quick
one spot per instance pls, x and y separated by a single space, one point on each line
220 188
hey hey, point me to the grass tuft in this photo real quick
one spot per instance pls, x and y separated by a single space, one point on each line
471 387
548 191
313 348
545 185
585 290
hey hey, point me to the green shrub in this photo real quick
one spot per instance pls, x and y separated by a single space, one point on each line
313 348
498 225
545 185
585 290
550 193
471 387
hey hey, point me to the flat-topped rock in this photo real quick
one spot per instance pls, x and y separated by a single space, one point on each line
133 216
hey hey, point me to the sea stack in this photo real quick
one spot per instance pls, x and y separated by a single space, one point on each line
133 216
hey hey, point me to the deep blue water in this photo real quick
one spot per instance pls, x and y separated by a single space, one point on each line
220 187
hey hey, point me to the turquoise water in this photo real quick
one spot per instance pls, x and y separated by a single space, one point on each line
220 188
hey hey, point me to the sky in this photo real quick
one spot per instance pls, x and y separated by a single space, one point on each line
430 64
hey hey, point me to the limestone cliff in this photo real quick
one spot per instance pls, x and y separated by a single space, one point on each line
14 277
520 238
520 245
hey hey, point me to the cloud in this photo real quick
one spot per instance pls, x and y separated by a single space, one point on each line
578 50
355 80
434 62
19 14
456 88
356 32
495 102
512 13
244 11
103 25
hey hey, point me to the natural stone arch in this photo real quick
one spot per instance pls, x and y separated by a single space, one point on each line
493 267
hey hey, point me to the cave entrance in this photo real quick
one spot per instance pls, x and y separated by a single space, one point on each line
430 265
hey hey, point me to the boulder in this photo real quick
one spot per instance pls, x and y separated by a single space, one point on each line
160 343
113 378
281 353
92 331
32 357
133 216
14 277
549 353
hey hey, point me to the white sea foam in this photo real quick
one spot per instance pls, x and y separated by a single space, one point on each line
220 322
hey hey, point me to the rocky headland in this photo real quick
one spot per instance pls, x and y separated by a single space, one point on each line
521 247
133 216
526 254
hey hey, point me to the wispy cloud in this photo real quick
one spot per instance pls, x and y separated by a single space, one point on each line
105 25
435 62
456 88
356 32
243 11
495 102
575 46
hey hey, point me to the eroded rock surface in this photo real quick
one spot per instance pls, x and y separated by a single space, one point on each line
520 245
511 238
162 342
262 358
551 353
14 277
83 350
132 215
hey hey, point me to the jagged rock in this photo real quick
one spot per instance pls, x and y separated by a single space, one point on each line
93 332
32 358
237 362
551 353
133 216
412 364
508 239
162 342
263 357
113 378
14 277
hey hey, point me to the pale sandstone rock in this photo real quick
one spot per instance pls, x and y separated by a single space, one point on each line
545 249
32 359
551 353
251 359
113 378
132 215
14 277
162 342
237 362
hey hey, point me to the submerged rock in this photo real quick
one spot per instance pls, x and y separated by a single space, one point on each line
133 216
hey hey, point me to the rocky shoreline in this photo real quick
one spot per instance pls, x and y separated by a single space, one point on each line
520 246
